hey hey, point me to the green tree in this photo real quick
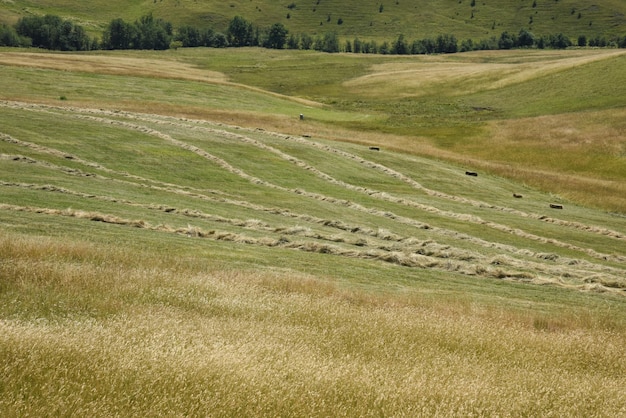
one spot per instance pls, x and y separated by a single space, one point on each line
467 45
52 32
9 37
119 35
399 46
293 42
525 38
306 41
446 44
559 41
329 43
153 33
189 36
240 32
506 41
277 36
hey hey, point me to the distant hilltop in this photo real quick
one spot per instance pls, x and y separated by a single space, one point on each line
394 27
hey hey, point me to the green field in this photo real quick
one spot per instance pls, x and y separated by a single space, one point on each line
176 241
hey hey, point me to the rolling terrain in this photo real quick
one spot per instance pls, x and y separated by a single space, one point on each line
175 240
370 20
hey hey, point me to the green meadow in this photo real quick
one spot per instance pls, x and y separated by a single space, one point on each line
176 241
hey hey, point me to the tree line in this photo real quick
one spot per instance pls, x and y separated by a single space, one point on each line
53 32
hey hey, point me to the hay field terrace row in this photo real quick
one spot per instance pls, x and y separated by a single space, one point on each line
264 189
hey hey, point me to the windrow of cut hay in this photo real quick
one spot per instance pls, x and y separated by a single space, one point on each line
354 229
409 254
378 194
355 240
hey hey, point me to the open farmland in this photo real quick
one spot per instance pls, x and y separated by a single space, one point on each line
178 242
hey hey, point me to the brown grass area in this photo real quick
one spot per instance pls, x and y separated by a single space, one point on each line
597 132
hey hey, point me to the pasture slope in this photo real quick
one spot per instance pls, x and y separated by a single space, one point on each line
154 263
367 20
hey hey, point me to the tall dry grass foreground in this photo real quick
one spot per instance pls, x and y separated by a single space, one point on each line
97 331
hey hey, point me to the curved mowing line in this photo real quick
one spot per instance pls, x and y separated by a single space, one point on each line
368 163
225 165
410 245
91 164
427 208
399 258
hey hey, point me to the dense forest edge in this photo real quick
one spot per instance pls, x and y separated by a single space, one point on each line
149 33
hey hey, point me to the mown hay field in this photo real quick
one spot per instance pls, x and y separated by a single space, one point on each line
162 253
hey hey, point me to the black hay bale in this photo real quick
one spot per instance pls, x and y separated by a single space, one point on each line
375 148
517 195
471 173
555 206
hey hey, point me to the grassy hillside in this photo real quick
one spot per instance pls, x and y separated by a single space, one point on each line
414 19
174 240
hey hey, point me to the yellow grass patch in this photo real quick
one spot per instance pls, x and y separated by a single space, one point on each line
476 71
601 132
129 66
108 64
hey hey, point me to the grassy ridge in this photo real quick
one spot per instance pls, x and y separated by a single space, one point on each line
424 18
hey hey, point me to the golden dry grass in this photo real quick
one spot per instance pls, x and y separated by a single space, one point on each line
117 65
139 334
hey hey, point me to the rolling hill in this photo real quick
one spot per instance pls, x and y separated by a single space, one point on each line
175 240
369 20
